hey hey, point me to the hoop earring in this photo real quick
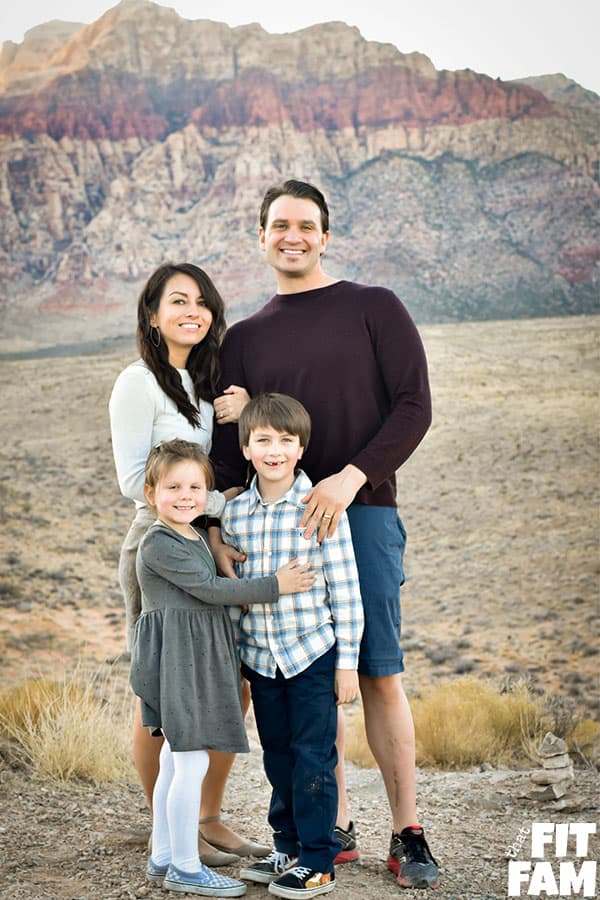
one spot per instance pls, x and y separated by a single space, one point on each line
155 336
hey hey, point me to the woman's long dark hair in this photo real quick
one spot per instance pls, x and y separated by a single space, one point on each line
203 361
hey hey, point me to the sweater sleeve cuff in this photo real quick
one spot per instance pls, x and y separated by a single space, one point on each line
366 465
274 585
215 504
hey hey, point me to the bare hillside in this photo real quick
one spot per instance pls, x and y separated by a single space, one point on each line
501 507
500 502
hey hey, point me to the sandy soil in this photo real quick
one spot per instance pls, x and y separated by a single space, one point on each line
82 843
501 507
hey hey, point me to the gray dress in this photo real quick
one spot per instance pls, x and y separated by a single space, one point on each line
184 662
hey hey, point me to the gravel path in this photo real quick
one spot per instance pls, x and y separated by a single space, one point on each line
88 843
501 505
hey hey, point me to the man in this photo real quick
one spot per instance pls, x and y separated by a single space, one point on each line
352 356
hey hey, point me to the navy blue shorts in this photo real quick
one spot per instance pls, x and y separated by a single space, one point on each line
379 539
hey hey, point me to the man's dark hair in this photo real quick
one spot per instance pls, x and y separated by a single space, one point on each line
292 188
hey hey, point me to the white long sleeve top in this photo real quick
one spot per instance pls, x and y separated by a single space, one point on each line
142 416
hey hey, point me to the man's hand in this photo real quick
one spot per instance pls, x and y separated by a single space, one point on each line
346 685
230 404
328 499
225 555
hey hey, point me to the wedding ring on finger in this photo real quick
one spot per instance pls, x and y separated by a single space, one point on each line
326 516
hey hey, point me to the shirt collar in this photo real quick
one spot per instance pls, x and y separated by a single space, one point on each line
299 489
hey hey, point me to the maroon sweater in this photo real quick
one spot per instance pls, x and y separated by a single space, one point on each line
352 355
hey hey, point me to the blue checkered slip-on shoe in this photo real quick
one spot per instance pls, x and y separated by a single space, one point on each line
154 872
205 882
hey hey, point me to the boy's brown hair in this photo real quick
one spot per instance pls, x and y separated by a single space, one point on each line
277 411
169 453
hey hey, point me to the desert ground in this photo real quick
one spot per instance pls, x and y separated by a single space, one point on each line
501 506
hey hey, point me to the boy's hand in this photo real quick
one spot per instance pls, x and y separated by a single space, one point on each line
224 554
346 685
230 404
294 578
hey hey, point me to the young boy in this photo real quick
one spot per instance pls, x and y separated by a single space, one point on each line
301 658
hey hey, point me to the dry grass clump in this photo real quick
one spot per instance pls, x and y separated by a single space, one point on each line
74 728
585 741
356 748
466 722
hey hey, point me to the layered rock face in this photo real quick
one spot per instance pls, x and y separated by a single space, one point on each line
145 137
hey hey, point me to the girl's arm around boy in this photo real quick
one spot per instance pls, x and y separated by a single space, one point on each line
166 556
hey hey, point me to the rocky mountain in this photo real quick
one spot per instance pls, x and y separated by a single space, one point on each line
564 90
145 137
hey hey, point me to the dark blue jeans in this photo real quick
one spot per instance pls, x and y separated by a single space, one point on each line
296 720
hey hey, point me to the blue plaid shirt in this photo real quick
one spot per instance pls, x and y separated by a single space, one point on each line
300 628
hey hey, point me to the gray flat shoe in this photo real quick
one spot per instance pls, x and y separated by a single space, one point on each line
248 848
209 855
213 857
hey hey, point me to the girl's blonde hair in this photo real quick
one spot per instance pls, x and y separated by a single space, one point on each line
169 453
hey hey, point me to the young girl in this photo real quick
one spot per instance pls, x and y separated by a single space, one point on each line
184 665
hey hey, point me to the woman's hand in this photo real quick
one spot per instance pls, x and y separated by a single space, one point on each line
230 404
224 554
232 492
294 578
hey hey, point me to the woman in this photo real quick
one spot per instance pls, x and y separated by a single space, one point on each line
168 394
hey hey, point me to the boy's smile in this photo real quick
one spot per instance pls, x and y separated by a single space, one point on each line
274 455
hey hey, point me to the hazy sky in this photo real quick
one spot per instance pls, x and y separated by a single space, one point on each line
505 38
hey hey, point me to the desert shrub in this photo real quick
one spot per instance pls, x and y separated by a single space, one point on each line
566 720
74 728
357 748
585 741
11 591
466 721
563 713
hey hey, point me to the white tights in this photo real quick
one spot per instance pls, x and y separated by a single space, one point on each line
176 808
